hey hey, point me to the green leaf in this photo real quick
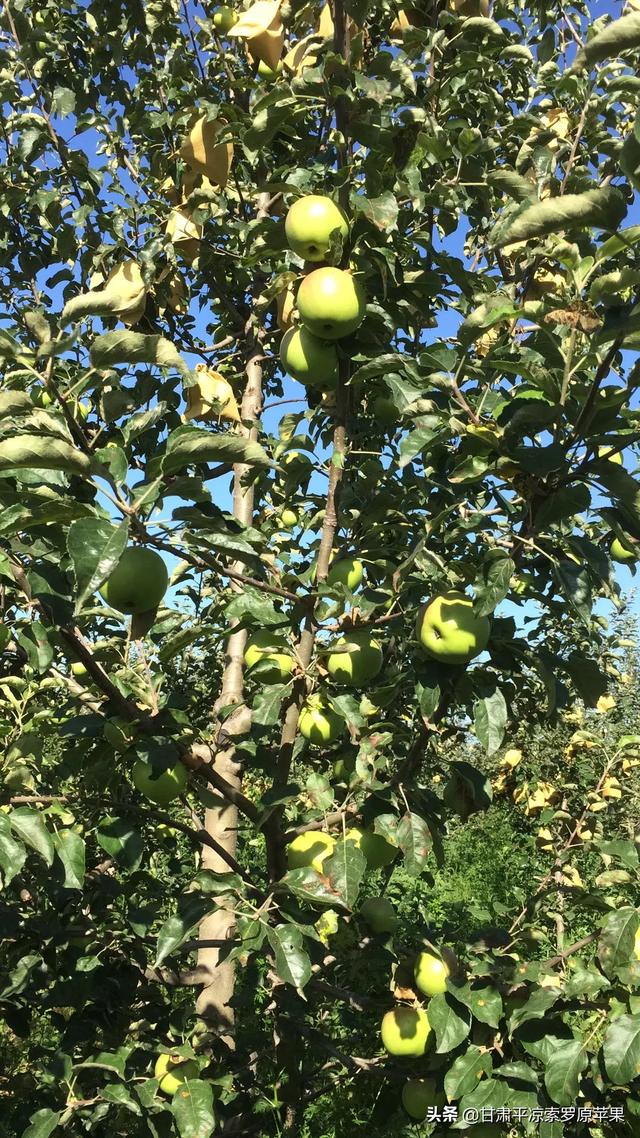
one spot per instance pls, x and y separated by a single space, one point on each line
621 1049
292 961
484 1003
414 838
20 975
617 940
29 826
563 1070
95 547
467 790
188 446
121 841
465 1073
192 1109
12 853
602 209
266 707
493 586
536 1006
621 35
70 849
488 1093
192 908
564 503
381 211
345 870
135 348
42 452
42 1123
450 1021
517 187
490 720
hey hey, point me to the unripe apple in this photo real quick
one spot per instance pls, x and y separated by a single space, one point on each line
318 722
223 19
376 849
310 849
266 72
331 303
355 660
260 647
345 571
405 1031
310 224
78 669
173 1071
161 788
449 630
622 553
288 519
344 768
431 974
379 914
138 582
610 455
418 1095
384 410
308 359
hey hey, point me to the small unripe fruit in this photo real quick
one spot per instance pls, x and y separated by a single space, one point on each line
379 914
405 1031
431 974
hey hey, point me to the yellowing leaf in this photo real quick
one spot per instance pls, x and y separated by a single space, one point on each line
267 47
204 154
256 19
605 703
325 26
300 56
511 758
285 302
185 234
124 295
211 398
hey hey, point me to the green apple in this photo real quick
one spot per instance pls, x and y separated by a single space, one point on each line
384 410
266 72
376 849
345 571
605 452
262 646
161 788
223 19
308 359
405 1031
355 660
173 1071
344 768
431 974
449 630
45 399
621 552
318 722
379 914
78 669
138 582
310 849
331 303
288 519
418 1095
310 224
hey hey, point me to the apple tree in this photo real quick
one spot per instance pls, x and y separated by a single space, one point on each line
318 435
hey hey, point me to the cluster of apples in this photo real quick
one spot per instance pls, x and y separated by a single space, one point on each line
136 586
330 301
405 1032
447 629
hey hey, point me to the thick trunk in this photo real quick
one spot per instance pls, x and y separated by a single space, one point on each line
214 1003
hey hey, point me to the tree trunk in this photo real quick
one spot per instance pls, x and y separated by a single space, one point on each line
214 1003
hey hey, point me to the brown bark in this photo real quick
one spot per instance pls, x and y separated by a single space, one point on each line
217 974
221 822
